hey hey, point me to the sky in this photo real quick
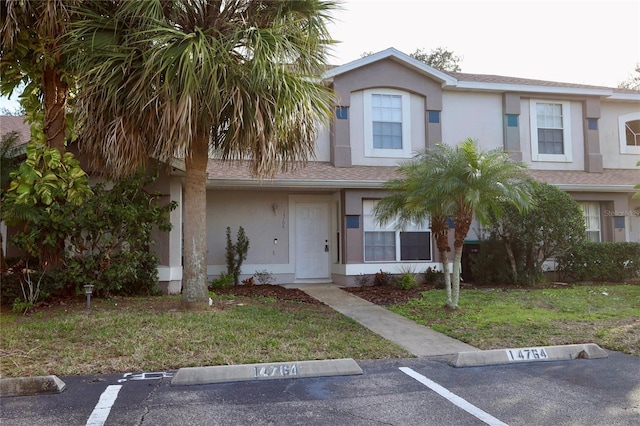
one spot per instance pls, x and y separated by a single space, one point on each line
574 41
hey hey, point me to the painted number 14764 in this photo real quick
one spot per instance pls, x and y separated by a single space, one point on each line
526 354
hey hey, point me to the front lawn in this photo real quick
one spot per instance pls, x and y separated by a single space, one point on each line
153 334
608 315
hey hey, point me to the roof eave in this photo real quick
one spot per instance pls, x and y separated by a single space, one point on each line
293 183
574 187
525 88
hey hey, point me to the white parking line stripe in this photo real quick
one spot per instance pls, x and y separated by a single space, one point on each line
453 398
103 407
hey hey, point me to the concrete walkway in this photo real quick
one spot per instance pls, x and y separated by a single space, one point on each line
417 339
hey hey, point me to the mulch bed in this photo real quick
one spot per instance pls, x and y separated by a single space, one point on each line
381 295
269 290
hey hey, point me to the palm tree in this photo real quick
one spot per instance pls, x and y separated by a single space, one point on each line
407 203
31 56
477 183
193 78
459 182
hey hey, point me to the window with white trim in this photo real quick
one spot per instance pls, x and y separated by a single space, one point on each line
385 243
387 128
550 131
591 212
629 129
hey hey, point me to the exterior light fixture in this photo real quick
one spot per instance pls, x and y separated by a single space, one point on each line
88 289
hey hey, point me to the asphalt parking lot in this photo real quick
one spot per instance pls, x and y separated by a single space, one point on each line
416 391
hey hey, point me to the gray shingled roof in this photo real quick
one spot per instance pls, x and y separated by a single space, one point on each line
10 123
500 79
237 174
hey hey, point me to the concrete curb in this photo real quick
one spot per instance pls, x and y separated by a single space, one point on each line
28 386
267 371
520 355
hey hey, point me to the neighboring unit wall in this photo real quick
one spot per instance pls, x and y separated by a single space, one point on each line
168 245
612 136
472 115
612 206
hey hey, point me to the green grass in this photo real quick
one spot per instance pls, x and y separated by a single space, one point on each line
499 318
153 334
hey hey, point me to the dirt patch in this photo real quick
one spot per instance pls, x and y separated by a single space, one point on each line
387 295
269 290
380 295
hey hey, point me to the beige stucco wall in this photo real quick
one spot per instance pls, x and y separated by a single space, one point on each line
322 147
610 136
633 221
472 115
262 223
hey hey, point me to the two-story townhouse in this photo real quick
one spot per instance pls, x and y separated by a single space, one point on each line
316 224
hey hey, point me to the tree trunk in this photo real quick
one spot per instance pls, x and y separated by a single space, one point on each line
512 259
195 295
440 229
55 104
455 280
2 264
462 220
447 276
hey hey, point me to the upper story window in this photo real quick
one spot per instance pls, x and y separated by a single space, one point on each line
385 243
550 131
629 129
387 131
632 132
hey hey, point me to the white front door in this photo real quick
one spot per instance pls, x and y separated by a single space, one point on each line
312 240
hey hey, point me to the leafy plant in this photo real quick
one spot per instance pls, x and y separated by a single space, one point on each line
490 265
44 192
111 245
610 261
264 277
30 291
248 282
383 278
224 281
434 277
552 227
407 281
236 253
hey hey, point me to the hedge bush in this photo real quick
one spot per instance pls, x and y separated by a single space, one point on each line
610 261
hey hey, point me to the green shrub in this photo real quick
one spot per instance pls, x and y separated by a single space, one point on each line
224 281
111 248
407 281
490 265
609 261
434 277
14 283
552 227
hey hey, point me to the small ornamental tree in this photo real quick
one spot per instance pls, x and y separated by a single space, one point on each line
236 254
549 229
